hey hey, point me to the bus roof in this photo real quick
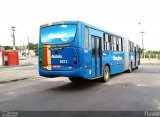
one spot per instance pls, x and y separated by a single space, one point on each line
76 22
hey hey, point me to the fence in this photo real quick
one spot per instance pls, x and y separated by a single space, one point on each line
148 55
150 58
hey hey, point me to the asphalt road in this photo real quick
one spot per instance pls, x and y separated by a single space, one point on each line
136 91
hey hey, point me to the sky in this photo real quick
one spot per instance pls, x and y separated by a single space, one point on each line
124 17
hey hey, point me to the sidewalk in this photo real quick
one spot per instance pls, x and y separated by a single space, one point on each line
26 69
25 62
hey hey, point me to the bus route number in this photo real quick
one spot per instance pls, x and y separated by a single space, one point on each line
63 61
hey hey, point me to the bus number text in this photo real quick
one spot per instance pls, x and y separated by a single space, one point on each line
63 61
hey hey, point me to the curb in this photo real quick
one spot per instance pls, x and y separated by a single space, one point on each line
15 66
150 64
14 80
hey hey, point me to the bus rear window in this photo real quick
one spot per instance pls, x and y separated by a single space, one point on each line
58 34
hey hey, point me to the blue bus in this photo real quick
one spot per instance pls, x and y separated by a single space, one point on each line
80 51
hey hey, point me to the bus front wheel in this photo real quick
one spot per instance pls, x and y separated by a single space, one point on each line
106 73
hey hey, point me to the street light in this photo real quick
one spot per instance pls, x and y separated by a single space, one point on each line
142 33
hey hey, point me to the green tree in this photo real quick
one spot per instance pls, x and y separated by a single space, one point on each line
36 46
32 46
8 47
152 54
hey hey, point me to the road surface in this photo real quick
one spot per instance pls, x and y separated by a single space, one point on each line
136 91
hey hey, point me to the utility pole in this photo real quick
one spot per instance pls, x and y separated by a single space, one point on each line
29 55
142 32
28 45
13 35
33 39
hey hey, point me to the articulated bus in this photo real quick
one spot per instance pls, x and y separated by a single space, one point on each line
80 51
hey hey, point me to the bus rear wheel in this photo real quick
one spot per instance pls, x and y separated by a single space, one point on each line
130 68
75 79
106 74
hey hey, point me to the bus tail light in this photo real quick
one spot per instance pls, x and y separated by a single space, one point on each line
74 58
40 60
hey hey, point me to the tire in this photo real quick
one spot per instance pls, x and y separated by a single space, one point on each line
106 74
74 79
130 68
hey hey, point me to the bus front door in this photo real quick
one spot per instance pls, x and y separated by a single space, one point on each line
96 58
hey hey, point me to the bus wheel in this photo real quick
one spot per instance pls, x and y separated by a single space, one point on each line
106 75
74 79
130 68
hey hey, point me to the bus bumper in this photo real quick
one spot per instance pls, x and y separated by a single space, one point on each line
74 73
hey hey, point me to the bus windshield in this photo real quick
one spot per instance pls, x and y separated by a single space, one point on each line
58 34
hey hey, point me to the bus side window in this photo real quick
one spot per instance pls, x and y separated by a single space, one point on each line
119 44
130 47
111 44
86 43
106 42
114 43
